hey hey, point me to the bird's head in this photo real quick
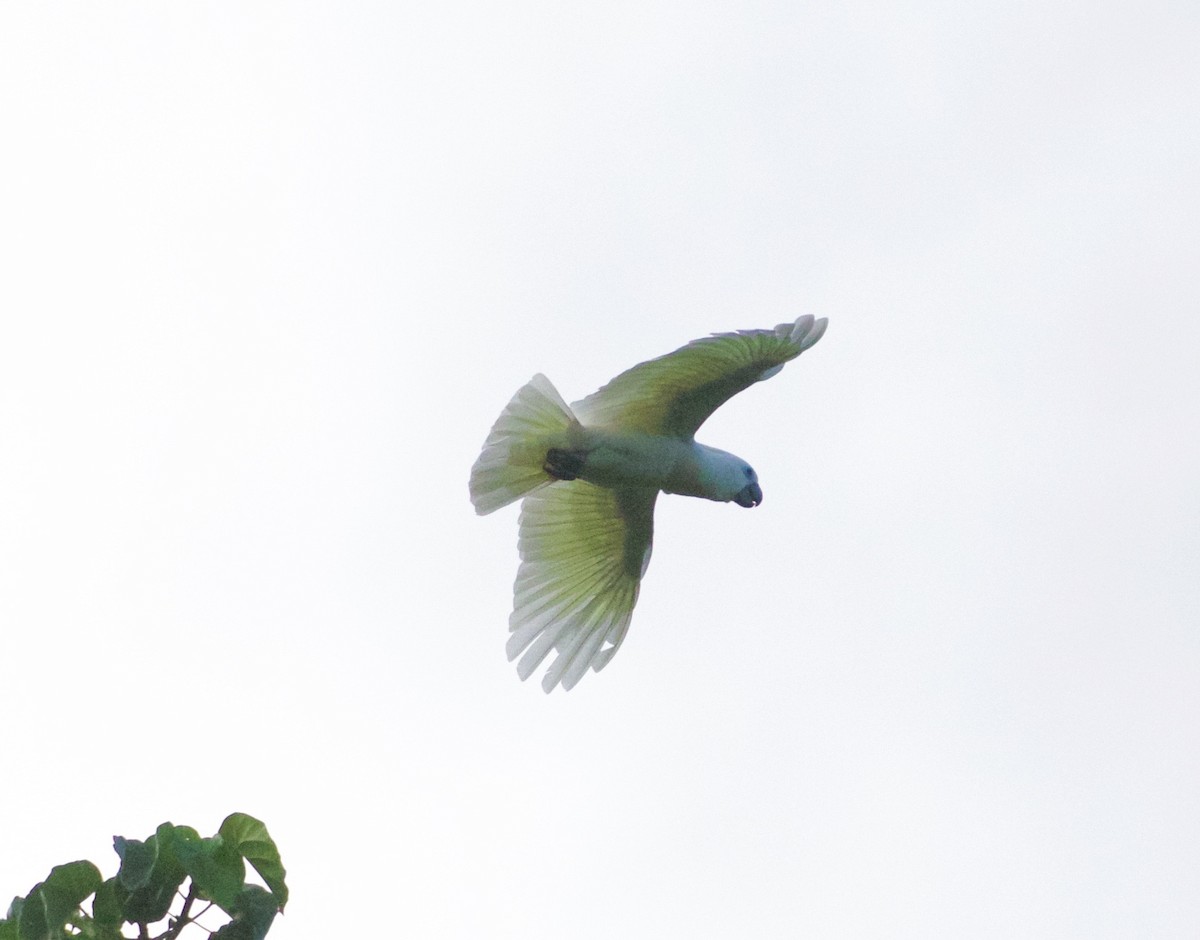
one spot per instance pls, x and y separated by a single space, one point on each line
729 479
751 493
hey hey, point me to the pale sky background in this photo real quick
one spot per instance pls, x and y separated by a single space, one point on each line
270 271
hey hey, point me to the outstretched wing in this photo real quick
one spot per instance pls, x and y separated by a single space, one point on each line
583 550
674 394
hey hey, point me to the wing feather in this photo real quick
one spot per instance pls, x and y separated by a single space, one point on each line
675 394
583 551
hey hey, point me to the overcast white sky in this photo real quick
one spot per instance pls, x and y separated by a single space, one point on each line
270 271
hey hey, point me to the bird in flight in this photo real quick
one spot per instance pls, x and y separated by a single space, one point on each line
589 474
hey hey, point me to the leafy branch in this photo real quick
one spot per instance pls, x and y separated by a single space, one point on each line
149 883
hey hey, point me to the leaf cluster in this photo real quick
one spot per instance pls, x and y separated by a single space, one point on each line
151 878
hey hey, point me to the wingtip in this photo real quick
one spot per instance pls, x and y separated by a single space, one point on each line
803 332
815 331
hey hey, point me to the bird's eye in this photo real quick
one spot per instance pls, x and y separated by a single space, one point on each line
749 471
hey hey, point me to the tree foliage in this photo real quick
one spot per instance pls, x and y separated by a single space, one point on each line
164 883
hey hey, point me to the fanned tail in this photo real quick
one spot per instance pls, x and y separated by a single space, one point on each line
511 464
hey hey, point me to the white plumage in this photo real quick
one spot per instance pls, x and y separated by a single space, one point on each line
590 473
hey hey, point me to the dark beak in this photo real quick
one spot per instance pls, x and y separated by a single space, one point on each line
749 495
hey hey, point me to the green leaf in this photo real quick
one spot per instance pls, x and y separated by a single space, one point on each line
109 903
66 888
151 889
253 914
251 839
31 920
8 930
46 909
216 869
137 861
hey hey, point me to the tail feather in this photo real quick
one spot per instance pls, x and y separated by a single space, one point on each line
511 464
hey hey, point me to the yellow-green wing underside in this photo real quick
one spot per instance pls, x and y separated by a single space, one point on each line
674 394
583 550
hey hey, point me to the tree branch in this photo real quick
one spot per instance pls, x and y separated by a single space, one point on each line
185 915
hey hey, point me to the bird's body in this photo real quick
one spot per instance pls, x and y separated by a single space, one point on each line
590 473
618 459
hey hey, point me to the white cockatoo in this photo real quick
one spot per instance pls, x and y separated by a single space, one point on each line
590 473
